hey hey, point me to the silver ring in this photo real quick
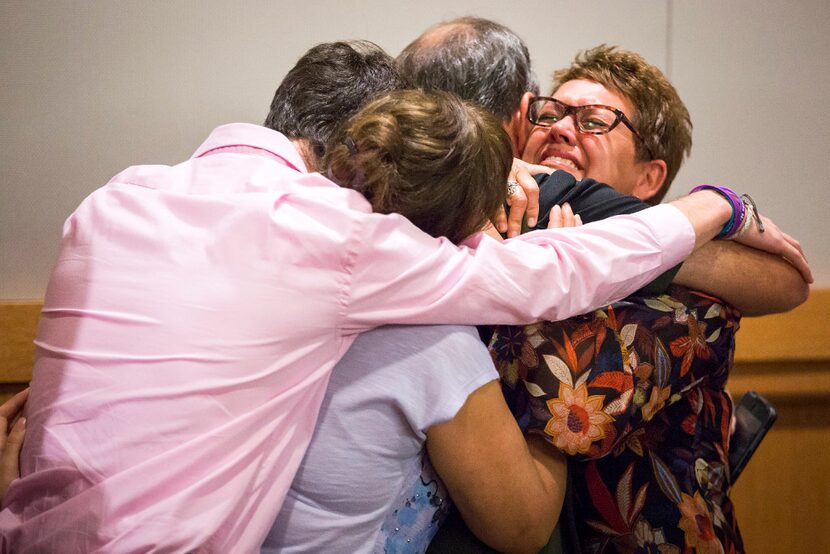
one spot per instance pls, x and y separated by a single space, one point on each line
512 187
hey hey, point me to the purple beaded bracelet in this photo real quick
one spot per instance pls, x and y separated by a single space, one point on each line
736 222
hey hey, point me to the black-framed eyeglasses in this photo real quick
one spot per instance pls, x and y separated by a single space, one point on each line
592 119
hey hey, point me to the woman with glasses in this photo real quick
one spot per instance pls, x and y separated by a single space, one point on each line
633 393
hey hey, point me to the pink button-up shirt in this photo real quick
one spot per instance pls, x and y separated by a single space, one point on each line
196 311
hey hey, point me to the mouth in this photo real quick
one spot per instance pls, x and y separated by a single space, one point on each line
557 162
561 160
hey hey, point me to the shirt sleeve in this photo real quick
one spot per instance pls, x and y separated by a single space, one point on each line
396 274
442 366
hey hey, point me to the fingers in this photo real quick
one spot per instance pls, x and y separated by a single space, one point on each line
775 241
11 442
524 202
555 217
531 190
790 249
795 255
10 456
500 221
490 230
793 252
768 223
518 204
14 442
523 173
568 217
563 216
10 409
534 169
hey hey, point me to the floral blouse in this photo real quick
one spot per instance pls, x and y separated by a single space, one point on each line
634 394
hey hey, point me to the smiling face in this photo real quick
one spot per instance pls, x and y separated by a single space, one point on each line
610 158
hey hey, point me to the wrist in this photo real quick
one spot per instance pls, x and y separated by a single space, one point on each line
735 209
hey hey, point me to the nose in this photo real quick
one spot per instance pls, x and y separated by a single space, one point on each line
564 130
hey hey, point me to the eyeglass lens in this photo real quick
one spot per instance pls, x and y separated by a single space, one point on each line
589 119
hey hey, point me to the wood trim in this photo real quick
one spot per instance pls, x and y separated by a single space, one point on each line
802 334
781 381
18 321
785 356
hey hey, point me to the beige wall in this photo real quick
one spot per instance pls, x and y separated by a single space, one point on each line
88 88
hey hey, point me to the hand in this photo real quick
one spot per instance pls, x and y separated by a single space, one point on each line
13 428
563 217
775 241
525 199
491 231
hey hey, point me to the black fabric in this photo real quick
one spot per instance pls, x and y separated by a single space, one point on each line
593 201
485 333
590 199
454 537
567 519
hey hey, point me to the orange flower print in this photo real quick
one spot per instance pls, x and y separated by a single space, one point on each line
696 523
577 419
691 346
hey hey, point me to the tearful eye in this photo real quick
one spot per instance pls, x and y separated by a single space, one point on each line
596 119
594 124
548 118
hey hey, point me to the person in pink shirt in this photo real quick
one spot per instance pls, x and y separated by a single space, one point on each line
195 312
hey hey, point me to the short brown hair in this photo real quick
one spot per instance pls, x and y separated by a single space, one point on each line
429 156
661 119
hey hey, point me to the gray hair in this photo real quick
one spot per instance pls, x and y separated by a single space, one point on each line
479 60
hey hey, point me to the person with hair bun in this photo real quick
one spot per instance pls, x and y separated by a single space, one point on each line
365 483
438 161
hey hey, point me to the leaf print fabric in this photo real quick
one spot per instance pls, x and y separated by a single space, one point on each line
634 393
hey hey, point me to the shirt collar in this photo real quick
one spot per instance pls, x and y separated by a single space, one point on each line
254 137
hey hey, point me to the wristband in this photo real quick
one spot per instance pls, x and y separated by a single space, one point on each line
739 210
751 214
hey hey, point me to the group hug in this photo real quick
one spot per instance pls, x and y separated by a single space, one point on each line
431 303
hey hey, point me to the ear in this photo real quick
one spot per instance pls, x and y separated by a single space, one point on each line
518 127
303 147
652 175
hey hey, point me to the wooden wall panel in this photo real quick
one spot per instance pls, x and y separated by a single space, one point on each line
18 325
782 499
802 334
